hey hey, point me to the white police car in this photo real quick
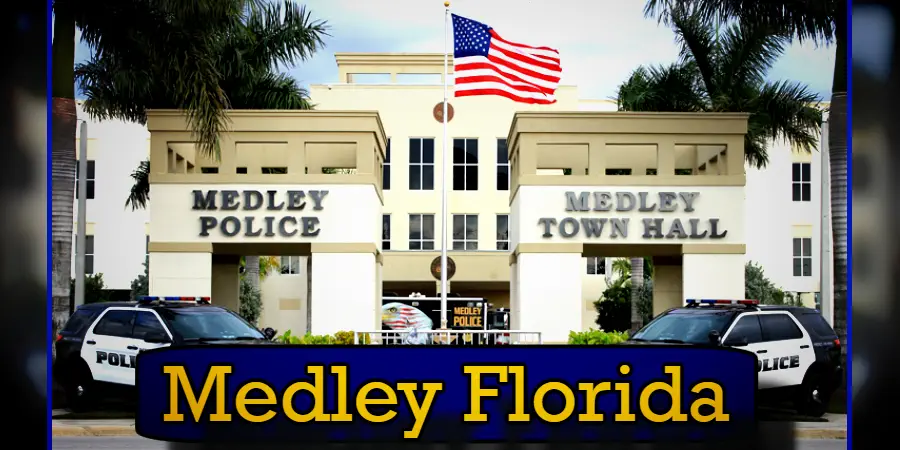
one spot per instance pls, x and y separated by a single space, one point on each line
97 350
798 353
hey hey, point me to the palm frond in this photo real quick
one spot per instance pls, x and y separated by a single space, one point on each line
270 91
789 111
748 52
140 191
699 44
674 88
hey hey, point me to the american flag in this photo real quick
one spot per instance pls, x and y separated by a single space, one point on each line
486 64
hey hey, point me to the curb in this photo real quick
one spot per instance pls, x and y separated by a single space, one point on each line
822 433
100 430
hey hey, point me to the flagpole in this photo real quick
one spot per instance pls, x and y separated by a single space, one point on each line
445 152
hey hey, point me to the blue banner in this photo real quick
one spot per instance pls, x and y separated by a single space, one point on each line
261 393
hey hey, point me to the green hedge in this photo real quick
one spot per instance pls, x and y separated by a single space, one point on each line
339 338
597 337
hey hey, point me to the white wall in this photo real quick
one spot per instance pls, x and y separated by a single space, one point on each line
771 215
119 233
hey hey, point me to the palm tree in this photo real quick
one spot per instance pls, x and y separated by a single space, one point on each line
723 70
178 38
822 22
247 54
637 280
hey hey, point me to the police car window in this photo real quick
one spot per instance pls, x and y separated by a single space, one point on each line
115 323
146 322
779 327
79 321
816 323
747 327
208 323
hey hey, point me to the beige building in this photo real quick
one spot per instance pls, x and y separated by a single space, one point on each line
540 199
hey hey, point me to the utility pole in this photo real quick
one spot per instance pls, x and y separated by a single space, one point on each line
81 237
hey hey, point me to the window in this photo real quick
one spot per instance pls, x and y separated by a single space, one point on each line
274 170
241 170
747 327
146 322
502 165
465 164
802 257
596 265
116 323
88 254
386 169
465 232
90 178
802 183
779 327
421 164
209 170
79 321
290 265
503 232
815 323
421 231
386 232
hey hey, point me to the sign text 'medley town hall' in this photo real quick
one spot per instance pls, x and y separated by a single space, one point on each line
251 200
653 228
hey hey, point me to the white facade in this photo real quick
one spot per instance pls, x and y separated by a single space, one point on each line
119 234
772 219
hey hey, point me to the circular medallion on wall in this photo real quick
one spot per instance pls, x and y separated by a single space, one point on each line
438 112
436 268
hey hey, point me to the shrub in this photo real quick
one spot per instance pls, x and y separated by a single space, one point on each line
758 287
339 338
597 337
250 302
614 308
94 289
140 286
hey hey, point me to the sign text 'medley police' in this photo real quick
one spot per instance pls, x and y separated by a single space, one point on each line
249 200
653 228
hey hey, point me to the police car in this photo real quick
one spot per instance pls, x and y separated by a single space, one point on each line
798 353
97 350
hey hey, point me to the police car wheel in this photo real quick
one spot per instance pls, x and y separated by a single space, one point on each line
813 396
80 391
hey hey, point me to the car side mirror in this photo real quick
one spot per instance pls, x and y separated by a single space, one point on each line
714 337
737 342
157 337
269 333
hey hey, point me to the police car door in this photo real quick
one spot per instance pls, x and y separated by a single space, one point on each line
145 322
746 334
105 344
788 350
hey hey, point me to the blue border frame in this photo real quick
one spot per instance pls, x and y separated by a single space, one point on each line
849 312
49 224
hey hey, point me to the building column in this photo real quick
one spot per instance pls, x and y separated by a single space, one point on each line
344 288
548 292
667 283
514 295
713 271
226 281
180 269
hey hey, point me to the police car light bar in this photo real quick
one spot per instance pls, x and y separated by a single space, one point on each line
147 299
692 301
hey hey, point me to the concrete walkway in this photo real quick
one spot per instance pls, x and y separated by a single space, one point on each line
834 428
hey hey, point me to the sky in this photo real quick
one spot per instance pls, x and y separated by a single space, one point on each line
600 41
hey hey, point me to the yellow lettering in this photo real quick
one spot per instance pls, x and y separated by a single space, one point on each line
340 372
568 405
518 415
241 401
178 376
363 402
624 414
591 391
476 392
315 389
419 411
717 403
673 389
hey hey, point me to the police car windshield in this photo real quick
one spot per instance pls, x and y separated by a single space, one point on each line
692 328
208 324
